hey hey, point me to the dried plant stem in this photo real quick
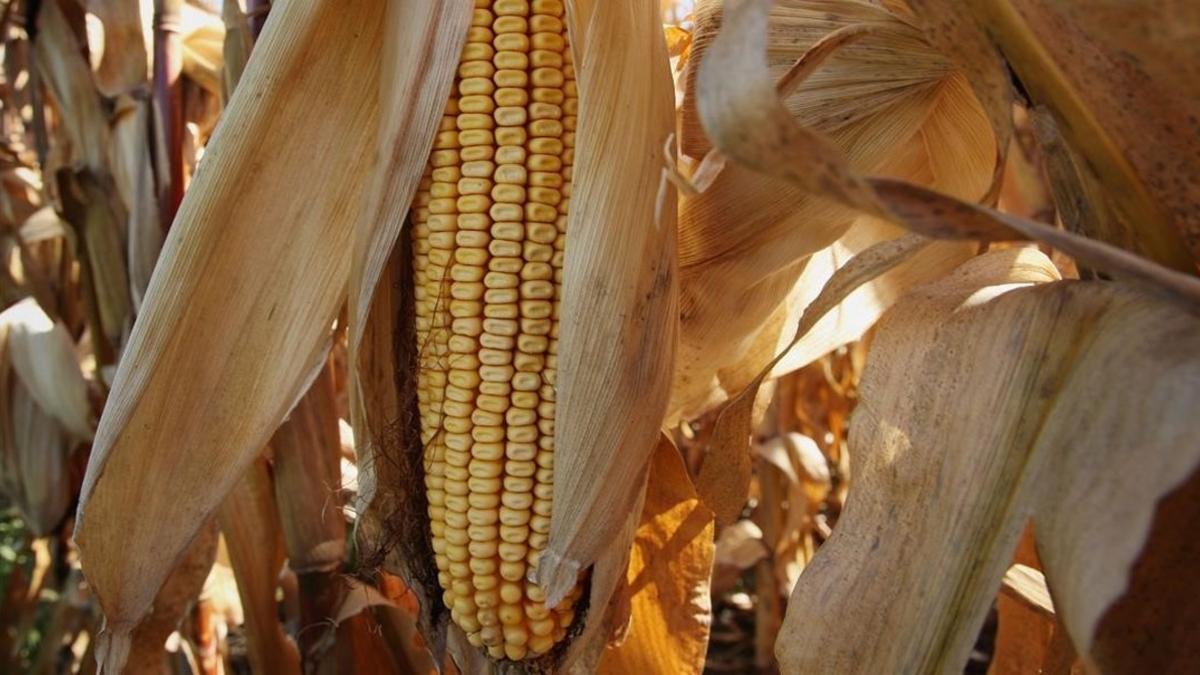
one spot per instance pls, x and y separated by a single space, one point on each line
168 96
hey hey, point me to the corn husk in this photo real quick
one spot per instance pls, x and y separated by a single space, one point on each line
44 412
134 179
124 56
64 68
240 359
668 577
755 251
1086 63
618 323
1026 364
746 120
202 37
618 309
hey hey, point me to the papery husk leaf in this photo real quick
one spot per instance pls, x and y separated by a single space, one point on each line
90 207
412 98
619 311
42 355
987 399
148 654
236 48
254 539
307 469
1087 61
65 69
393 528
746 121
202 37
240 359
123 65
724 479
668 576
754 249
134 177
33 458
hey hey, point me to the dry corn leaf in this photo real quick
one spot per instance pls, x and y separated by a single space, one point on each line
758 249
748 122
240 359
254 539
1029 639
668 576
724 480
62 64
123 62
202 37
987 399
1089 62
134 178
33 458
42 355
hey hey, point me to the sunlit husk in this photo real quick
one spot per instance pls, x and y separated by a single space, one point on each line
123 65
208 373
44 412
134 178
755 250
1027 365
618 322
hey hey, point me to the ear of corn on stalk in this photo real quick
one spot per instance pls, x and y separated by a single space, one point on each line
489 229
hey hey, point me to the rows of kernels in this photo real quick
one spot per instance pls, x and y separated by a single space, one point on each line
488 418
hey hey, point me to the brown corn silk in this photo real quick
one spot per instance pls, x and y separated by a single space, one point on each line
489 227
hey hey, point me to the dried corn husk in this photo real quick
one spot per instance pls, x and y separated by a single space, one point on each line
203 39
747 121
668 577
124 56
62 63
134 179
1087 62
755 251
44 411
1024 364
617 317
618 323
240 359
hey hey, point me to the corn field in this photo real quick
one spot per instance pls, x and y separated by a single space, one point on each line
599 336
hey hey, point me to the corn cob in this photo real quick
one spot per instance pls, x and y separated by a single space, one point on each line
489 225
